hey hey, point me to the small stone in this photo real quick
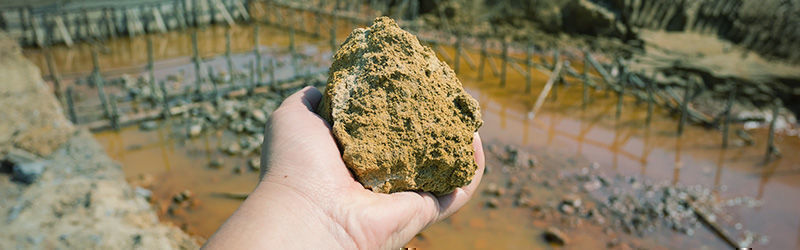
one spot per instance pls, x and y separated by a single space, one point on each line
493 189
233 149
492 203
254 164
148 125
566 209
572 200
401 117
195 129
237 170
258 115
143 192
27 172
554 236
185 195
216 163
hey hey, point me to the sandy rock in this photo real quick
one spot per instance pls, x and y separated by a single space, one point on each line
555 236
400 115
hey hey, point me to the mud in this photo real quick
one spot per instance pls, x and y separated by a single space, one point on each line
400 115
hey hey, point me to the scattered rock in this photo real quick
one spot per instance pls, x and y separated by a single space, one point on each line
258 115
27 172
493 189
233 149
254 164
554 236
492 203
400 115
143 192
183 196
148 125
195 130
216 163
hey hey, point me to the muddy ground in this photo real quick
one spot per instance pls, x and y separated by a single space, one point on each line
59 189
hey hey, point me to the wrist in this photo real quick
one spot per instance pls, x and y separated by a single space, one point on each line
295 215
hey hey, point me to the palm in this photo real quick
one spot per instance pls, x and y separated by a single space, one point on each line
304 157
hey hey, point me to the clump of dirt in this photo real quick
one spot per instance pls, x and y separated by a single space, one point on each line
400 115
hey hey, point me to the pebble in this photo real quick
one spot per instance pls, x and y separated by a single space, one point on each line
216 163
195 130
555 236
254 164
492 203
144 193
148 125
28 172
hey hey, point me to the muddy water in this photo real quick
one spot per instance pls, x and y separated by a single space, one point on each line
567 135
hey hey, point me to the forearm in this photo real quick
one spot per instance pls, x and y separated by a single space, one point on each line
273 215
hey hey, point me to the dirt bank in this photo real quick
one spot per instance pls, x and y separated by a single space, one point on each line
59 189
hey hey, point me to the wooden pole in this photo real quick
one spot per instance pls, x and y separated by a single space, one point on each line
650 101
114 112
547 87
771 148
257 51
101 93
482 63
196 60
164 95
504 68
48 56
685 105
559 80
228 59
272 65
252 79
213 81
621 94
71 106
528 66
727 114
151 68
332 35
585 81
457 58
95 63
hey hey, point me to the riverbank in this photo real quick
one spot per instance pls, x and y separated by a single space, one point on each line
59 188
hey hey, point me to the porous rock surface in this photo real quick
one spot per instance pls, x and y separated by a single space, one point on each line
400 116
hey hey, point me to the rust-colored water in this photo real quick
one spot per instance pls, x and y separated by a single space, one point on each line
571 136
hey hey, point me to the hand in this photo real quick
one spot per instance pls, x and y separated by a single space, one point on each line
308 199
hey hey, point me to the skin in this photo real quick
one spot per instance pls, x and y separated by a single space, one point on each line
307 198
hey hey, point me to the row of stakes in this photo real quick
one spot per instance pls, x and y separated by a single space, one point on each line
556 70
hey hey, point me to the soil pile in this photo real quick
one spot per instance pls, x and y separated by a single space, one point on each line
400 115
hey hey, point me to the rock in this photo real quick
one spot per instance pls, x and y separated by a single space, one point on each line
233 149
587 17
144 193
254 164
258 115
554 236
493 189
148 125
492 203
27 172
572 200
216 163
566 209
400 116
185 195
195 129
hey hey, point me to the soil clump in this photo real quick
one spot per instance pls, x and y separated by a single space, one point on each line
400 115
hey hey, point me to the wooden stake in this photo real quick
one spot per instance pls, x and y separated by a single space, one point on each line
332 35
528 66
482 63
164 95
213 81
48 56
457 58
228 59
114 112
71 106
771 148
621 94
101 93
252 79
585 80
727 114
504 68
257 51
95 64
151 67
685 105
650 101
547 87
196 59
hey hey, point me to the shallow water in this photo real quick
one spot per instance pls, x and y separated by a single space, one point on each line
567 135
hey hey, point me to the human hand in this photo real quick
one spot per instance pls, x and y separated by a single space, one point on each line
307 197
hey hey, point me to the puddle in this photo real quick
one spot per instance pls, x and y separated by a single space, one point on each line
569 136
